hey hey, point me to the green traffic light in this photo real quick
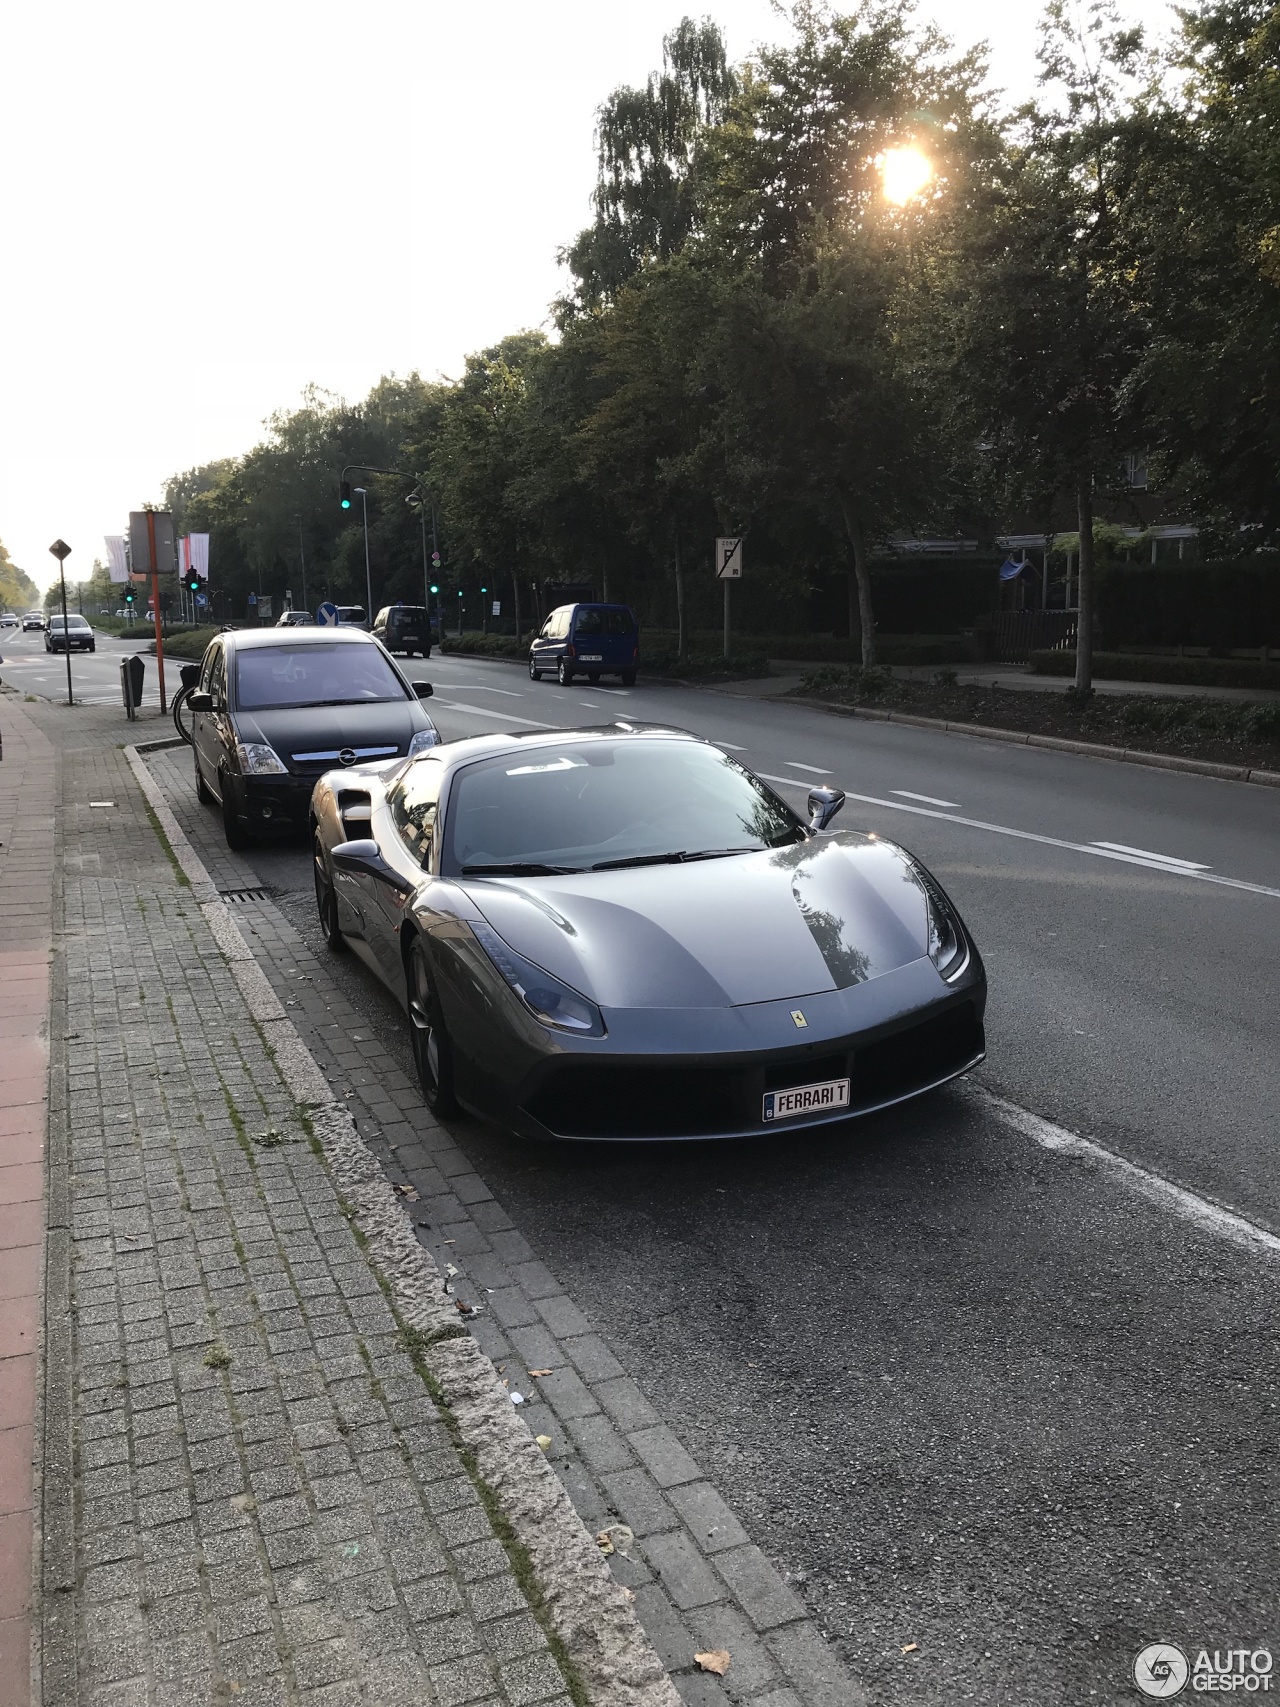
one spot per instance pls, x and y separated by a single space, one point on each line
434 588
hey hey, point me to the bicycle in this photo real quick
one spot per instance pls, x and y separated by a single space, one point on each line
181 715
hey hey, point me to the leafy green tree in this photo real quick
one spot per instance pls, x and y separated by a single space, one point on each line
18 592
1048 330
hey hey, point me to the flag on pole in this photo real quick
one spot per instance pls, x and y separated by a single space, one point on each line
117 557
196 554
1009 570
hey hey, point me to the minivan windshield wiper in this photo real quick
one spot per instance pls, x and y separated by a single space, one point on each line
519 868
680 856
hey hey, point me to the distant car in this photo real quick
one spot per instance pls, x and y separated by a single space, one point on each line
77 637
587 640
352 616
34 619
274 710
404 628
8 620
295 619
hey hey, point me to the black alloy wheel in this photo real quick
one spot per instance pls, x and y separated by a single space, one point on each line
204 794
432 1050
535 675
326 897
564 675
238 838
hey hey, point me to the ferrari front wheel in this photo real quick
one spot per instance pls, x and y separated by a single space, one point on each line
326 897
432 1050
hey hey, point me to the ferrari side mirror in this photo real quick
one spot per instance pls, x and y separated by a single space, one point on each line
200 701
824 803
424 690
363 858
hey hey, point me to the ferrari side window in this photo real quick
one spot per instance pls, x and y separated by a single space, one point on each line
413 802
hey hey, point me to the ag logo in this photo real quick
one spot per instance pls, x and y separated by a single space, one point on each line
1161 1670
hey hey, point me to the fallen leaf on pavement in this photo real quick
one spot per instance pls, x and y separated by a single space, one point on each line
911 1647
604 1541
409 1191
536 1372
544 1441
717 1661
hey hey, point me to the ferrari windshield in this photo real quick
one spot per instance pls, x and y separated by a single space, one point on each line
607 804
291 674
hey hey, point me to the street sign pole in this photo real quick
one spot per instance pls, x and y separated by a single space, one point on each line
728 561
61 550
155 606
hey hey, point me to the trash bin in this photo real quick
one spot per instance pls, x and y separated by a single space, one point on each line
131 683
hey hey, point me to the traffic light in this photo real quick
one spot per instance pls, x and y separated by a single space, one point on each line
193 581
129 595
434 587
435 559
344 494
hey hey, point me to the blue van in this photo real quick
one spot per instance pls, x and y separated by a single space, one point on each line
587 640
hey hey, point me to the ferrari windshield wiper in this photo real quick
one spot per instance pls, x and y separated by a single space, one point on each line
680 856
519 868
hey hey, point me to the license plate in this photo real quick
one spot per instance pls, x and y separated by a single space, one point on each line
412 637
593 657
806 1099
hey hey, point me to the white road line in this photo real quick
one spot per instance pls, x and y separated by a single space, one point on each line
1203 1211
1049 841
483 687
488 711
593 703
931 800
1145 853
818 770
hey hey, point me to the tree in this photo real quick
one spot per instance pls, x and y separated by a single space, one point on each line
647 191
1049 332
17 590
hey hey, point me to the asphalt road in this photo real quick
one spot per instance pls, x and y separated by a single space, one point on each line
95 676
1013 1403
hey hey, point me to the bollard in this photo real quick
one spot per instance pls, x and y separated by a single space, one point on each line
131 671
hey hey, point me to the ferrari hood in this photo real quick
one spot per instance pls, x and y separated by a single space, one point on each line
796 921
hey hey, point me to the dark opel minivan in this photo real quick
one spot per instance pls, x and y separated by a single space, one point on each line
587 640
404 628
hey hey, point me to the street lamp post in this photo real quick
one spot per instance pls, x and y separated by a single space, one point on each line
302 559
61 550
368 572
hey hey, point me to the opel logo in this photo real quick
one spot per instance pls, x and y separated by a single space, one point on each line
347 756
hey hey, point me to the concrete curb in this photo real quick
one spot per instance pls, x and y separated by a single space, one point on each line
590 1612
1084 749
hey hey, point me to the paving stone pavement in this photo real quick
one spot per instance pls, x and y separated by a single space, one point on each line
699 1581
249 1494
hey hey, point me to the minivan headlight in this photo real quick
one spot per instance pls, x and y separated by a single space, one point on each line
547 999
422 740
256 758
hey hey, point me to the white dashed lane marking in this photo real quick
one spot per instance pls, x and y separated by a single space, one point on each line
488 711
816 770
1145 853
928 799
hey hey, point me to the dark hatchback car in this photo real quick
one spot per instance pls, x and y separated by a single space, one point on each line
77 636
404 628
276 708
587 640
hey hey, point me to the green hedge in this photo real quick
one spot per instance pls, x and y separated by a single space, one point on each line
484 646
1142 667
1223 605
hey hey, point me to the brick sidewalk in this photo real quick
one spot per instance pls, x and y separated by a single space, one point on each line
698 1579
26 865
249 1491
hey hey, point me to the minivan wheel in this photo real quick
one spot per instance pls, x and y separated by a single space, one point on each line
238 838
564 675
432 1050
628 678
204 794
535 675
593 676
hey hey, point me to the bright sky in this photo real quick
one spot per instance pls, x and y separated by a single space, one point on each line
208 206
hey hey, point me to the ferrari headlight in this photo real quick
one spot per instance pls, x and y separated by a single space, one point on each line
422 740
547 999
256 758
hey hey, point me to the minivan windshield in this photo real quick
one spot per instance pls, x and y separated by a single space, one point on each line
607 804
336 674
